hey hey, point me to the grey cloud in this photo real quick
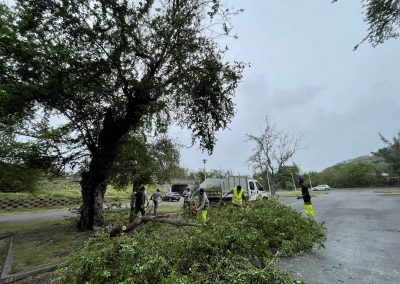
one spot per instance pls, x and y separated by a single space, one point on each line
285 99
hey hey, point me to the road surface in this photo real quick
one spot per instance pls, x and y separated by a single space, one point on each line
40 216
363 243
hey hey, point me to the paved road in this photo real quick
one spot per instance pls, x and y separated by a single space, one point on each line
40 216
363 243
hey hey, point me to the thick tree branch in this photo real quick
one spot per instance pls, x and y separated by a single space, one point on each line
145 219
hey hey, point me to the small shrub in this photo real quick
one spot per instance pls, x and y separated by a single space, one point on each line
18 179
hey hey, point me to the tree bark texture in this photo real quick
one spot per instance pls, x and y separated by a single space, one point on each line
94 181
160 219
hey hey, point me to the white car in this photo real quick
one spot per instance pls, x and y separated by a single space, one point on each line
321 187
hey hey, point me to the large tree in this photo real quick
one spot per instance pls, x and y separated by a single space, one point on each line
273 149
391 153
108 67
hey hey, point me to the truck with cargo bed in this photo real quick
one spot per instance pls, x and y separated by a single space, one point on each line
216 188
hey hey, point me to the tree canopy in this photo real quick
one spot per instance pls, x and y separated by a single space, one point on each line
383 20
103 68
391 153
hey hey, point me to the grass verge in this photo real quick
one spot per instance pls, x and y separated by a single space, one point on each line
388 191
296 193
3 251
62 188
52 241
42 243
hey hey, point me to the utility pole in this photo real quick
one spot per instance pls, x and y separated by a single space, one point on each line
309 179
293 182
269 186
204 168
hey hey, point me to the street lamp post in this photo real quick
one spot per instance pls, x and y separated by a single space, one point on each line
204 168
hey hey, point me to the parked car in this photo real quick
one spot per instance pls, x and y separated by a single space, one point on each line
321 187
172 196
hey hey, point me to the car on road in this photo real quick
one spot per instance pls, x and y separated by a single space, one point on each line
321 187
172 196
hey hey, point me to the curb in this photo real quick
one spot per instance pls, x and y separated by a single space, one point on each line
19 276
6 268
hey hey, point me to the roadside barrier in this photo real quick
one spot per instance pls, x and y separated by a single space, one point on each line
11 204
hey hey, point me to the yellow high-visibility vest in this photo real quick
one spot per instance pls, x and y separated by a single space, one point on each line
237 196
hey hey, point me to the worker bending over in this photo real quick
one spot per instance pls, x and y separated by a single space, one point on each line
203 206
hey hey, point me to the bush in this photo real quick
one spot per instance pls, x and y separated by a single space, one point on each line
236 246
18 179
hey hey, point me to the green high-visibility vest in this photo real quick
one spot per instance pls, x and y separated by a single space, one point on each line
237 196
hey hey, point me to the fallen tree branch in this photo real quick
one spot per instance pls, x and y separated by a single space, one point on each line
143 220
272 260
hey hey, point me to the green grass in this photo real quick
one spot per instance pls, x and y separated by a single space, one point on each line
52 241
296 193
62 188
3 251
42 243
388 191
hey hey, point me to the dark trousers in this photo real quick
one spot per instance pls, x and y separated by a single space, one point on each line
134 212
141 210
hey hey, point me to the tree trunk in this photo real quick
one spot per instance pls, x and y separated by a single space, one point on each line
94 186
94 181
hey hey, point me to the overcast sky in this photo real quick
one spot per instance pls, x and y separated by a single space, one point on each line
306 77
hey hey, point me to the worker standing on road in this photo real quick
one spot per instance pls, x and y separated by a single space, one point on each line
156 196
305 195
203 206
237 196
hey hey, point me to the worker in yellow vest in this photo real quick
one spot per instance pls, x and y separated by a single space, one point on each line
237 196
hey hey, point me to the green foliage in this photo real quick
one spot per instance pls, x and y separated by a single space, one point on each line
391 153
351 174
21 164
142 162
283 177
104 68
199 174
235 246
383 19
18 179
130 64
364 171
